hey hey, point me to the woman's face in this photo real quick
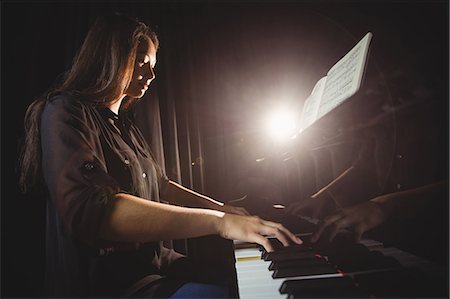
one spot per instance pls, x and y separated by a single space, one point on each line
143 69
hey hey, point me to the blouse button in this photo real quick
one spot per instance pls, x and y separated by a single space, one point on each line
144 175
88 166
126 161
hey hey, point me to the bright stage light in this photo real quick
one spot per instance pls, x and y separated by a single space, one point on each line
283 124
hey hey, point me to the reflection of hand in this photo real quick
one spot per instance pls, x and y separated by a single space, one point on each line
314 207
359 219
233 210
253 229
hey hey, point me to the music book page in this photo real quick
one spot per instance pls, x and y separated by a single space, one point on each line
341 82
312 104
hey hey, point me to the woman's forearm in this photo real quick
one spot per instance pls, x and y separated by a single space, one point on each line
133 219
179 195
130 218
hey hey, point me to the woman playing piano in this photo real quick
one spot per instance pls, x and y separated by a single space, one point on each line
105 222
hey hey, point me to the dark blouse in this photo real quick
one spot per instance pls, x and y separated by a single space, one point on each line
89 154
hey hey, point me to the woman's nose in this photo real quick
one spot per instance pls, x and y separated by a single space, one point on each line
149 74
152 74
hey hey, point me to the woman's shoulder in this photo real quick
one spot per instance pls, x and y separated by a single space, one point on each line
67 102
67 107
65 98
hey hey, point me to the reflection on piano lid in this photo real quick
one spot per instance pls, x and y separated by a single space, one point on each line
340 269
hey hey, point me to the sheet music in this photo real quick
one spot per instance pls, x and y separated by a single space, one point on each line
345 77
312 104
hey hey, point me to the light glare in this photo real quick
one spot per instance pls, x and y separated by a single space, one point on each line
282 124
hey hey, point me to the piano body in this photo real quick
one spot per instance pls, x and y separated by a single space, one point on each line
389 147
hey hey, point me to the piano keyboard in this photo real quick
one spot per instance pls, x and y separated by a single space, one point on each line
340 269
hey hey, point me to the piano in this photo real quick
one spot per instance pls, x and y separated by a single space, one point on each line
391 147
340 269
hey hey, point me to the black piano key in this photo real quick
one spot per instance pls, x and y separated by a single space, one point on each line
288 286
267 255
297 248
335 287
288 255
350 261
297 263
358 258
339 292
277 245
304 271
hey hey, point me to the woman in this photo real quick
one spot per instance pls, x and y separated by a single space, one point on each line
104 219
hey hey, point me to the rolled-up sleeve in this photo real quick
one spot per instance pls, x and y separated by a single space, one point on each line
74 168
163 183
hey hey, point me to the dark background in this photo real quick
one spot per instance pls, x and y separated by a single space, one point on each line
221 67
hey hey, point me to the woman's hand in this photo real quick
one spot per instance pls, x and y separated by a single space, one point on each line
254 229
359 219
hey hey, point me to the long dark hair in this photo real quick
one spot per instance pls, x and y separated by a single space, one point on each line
100 73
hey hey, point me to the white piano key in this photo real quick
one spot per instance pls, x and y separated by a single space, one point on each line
255 280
